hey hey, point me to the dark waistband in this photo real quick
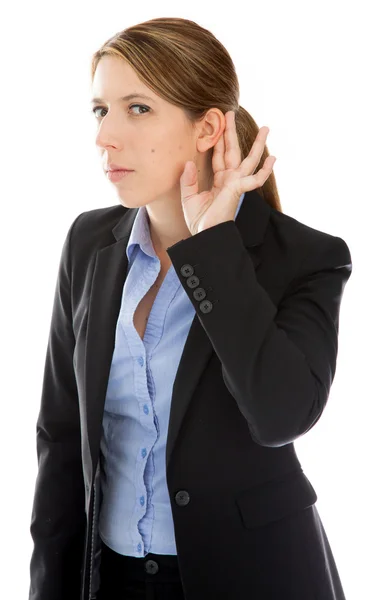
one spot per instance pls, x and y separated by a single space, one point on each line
152 567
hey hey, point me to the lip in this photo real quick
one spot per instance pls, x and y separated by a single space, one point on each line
113 167
118 174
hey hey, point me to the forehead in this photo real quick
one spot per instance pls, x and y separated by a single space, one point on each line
116 80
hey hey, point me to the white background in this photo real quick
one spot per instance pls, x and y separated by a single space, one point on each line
315 73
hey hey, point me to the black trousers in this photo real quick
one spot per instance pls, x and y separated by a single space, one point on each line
153 577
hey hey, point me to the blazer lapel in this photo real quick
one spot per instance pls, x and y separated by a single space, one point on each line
110 272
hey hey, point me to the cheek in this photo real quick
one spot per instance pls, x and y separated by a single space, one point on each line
167 162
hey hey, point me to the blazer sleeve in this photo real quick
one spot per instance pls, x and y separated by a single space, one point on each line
58 515
278 362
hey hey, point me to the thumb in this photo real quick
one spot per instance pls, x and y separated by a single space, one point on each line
189 180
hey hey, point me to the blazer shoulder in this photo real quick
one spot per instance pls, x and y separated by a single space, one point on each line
100 217
311 247
93 228
304 254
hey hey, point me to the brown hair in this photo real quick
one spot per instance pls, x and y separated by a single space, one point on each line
186 65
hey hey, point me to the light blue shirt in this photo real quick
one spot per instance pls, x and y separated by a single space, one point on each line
135 515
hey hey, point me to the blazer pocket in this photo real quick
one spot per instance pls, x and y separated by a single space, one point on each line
276 499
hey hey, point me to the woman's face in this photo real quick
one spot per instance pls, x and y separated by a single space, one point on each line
149 135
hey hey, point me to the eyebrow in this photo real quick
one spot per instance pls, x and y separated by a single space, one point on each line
124 98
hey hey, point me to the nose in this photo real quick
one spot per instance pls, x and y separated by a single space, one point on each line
109 134
106 140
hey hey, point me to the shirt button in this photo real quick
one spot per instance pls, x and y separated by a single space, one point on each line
144 452
140 361
142 500
139 547
145 409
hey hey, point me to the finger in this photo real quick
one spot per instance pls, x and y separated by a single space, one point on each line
218 162
232 147
251 161
189 180
251 182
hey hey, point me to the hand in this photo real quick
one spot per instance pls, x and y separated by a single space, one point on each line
231 179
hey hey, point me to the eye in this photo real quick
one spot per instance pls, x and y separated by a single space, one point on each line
102 108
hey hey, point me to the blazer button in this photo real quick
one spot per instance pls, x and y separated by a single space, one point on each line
151 567
206 306
182 498
192 282
199 294
187 270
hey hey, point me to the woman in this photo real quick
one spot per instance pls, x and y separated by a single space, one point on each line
194 338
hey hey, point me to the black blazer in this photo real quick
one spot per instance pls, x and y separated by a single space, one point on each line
254 376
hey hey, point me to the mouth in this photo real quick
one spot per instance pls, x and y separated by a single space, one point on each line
117 175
